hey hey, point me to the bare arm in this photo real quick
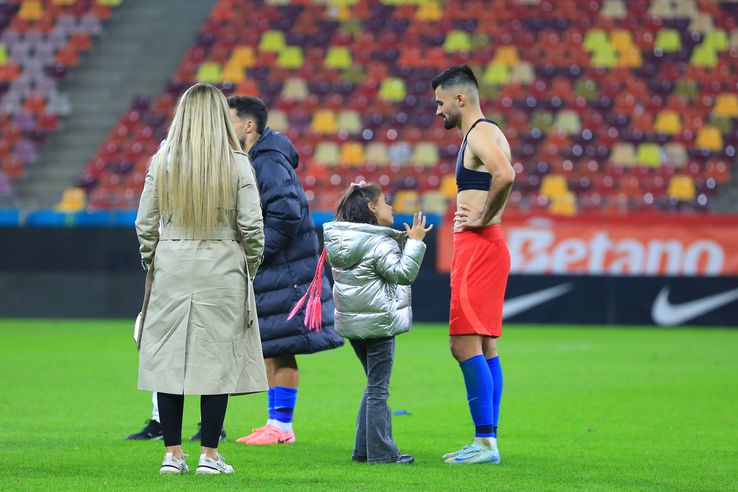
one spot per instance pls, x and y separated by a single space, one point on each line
481 143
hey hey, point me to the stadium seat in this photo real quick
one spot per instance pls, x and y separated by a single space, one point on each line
595 39
376 153
701 23
604 57
565 204
209 72
568 122
31 10
648 154
668 40
434 202
243 56
717 39
272 41
457 41
73 200
682 188
507 56
392 90
630 58
726 105
668 122
352 153
338 57
496 74
349 121
294 89
278 120
324 121
327 153
553 186
613 9
709 138
290 57
406 202
429 11
704 56
623 154
425 154
676 154
522 73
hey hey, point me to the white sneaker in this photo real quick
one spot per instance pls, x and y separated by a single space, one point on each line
474 454
209 466
172 465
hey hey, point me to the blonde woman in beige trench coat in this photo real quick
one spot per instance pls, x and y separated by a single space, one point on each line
200 228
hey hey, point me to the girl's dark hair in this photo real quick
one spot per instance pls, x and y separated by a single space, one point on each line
354 204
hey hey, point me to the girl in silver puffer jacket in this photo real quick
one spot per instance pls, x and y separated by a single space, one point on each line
373 266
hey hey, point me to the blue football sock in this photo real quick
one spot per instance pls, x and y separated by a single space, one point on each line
284 403
496 370
479 389
270 404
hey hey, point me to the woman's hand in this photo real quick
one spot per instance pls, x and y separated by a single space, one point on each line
418 230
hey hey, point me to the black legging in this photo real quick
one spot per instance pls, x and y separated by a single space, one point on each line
212 414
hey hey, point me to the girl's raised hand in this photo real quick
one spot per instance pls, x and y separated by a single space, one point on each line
418 230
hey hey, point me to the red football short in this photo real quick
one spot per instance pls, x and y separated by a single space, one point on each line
479 271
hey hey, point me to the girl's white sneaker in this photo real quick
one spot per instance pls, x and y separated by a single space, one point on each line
209 466
172 465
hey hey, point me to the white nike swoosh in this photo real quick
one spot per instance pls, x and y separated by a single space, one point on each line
665 313
517 305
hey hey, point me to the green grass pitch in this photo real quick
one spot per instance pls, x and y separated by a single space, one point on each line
583 408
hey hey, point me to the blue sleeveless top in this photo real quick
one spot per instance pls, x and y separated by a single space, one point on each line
466 179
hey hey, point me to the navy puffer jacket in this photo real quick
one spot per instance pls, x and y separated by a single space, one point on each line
291 251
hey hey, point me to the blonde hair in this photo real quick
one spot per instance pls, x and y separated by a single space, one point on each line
197 169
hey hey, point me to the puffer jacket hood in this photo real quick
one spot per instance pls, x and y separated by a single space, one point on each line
271 141
373 267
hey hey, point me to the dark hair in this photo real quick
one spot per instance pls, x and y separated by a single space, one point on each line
252 106
354 204
456 75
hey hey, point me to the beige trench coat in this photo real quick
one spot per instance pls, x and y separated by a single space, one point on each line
201 330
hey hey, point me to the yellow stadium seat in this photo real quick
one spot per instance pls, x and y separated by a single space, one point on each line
566 205
448 186
233 72
623 154
668 40
681 187
496 74
110 3
392 89
294 89
595 39
434 202
209 72
73 200
709 138
290 57
376 153
568 122
327 153
676 154
604 57
668 122
704 56
648 154
726 105
272 41
349 121
621 40
3 55
278 120
523 73
553 186
429 11
324 121
64 2
338 57
506 55
630 58
31 10
425 154
352 153
244 56
457 41
717 39
406 202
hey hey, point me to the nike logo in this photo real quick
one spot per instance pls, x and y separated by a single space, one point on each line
665 313
519 304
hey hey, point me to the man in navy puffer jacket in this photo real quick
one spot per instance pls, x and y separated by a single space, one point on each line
291 252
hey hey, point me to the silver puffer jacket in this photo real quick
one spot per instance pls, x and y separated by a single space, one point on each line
373 267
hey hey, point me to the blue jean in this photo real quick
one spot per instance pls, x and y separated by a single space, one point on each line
374 422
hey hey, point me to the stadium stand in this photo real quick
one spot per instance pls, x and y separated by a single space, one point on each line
610 107
40 41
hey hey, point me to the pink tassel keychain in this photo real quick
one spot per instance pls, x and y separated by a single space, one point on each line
313 311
